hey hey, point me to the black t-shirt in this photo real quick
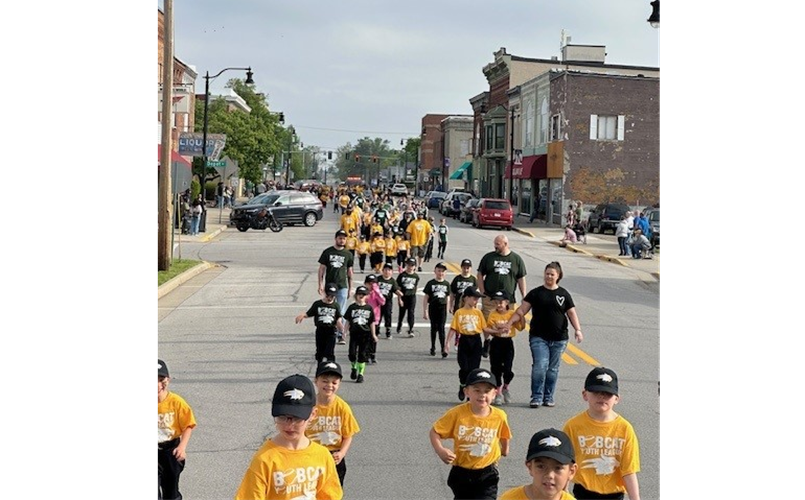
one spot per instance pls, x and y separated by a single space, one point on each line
437 292
549 312
501 272
387 286
381 215
360 318
408 283
460 283
337 263
324 315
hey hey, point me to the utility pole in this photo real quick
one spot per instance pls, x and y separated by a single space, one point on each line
511 159
164 220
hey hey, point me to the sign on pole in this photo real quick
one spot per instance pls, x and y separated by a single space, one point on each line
190 144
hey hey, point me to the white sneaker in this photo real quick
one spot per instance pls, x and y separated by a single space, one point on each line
506 396
498 400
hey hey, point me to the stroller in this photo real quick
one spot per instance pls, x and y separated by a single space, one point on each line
581 233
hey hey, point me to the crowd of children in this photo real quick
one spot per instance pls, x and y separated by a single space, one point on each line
597 450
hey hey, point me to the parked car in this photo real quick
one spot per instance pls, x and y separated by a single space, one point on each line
399 190
468 210
446 207
493 212
605 217
289 207
434 198
653 216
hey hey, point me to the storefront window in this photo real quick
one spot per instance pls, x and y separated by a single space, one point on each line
525 199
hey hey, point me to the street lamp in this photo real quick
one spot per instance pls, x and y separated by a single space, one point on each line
654 18
291 133
207 78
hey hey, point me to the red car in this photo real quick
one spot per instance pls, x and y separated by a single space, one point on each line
493 212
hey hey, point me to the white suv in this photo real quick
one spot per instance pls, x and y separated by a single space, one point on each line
399 190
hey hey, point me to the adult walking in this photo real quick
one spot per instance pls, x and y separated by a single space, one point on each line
335 266
500 271
552 308
419 232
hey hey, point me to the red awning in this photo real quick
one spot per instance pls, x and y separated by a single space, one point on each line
175 157
533 167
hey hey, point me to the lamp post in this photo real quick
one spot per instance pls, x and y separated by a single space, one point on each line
654 18
291 133
207 78
511 159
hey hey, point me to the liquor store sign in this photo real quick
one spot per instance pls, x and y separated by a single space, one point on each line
190 145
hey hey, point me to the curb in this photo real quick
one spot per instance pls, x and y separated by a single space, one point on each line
208 237
523 231
172 284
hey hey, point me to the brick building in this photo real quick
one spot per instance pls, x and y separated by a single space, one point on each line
430 156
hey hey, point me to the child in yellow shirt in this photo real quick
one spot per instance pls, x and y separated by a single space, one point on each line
352 242
364 248
391 248
501 347
403 245
378 249
468 321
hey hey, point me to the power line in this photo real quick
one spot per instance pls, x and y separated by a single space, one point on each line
355 131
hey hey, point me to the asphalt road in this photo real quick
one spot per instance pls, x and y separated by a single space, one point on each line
229 336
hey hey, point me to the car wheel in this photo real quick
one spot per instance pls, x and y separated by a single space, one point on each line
508 228
310 219
243 227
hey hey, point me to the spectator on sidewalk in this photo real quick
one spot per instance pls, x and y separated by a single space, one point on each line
641 245
568 237
622 233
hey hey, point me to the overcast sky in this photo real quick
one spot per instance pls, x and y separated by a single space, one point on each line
341 70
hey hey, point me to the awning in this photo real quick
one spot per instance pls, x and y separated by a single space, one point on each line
435 172
175 157
533 167
460 170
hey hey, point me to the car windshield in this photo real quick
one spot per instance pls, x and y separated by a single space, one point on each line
437 194
654 216
496 205
264 199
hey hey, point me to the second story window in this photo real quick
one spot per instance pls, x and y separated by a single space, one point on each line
556 132
488 137
500 136
606 127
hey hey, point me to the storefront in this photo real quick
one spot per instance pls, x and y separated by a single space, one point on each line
525 182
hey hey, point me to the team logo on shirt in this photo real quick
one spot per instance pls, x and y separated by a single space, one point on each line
326 315
503 267
302 480
385 288
360 316
476 440
408 283
469 323
336 261
439 291
602 465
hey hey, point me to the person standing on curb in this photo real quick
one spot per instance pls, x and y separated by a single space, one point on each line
335 266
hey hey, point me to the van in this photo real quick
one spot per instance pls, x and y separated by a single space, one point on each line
493 212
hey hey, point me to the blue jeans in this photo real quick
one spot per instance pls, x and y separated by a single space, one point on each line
546 356
194 222
341 298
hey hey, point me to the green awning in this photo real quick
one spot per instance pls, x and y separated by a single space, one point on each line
460 170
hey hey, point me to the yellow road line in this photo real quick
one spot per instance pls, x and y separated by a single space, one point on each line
583 355
453 268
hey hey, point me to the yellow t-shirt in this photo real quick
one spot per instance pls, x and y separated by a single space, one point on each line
277 473
419 231
496 318
403 245
352 242
605 452
348 223
518 493
344 200
476 440
376 228
378 245
367 218
333 422
174 415
468 321
391 247
364 247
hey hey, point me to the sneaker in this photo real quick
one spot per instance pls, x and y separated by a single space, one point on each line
410 334
353 374
461 393
444 354
341 341
506 396
549 404
485 351
432 351
374 360
419 270
534 404
388 336
498 400
360 379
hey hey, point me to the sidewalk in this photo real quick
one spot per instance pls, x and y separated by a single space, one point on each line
598 246
213 227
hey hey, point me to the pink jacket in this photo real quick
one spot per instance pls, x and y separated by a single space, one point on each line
376 300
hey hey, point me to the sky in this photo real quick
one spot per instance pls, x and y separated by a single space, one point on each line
342 70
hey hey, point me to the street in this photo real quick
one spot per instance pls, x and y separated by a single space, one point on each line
229 336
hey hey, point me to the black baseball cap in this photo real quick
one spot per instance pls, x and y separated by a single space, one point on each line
440 265
551 443
480 375
340 232
370 278
329 367
294 396
500 295
601 379
162 369
410 261
471 291
361 290
330 289
387 266
466 262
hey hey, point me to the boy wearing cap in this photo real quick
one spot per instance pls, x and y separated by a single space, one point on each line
175 423
334 424
480 435
326 314
376 300
290 465
605 443
391 248
378 246
434 303
551 463
469 322
459 283
389 288
501 346
360 323
442 232
408 281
